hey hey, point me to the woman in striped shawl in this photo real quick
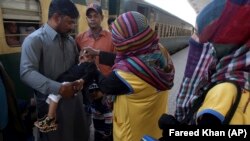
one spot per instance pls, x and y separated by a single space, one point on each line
142 75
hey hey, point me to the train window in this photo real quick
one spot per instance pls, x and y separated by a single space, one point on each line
156 27
162 30
165 30
177 31
20 18
168 27
174 31
103 3
159 30
170 31
93 1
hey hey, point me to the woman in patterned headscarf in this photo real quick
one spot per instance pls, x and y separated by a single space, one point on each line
142 75
218 66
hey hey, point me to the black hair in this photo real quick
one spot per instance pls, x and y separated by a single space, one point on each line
110 20
63 7
93 87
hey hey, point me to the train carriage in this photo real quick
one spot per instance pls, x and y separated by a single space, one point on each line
173 31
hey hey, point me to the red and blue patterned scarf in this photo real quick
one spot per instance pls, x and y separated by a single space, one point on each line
138 51
225 22
203 66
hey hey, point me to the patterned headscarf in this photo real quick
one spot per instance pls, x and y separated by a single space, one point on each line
138 51
205 68
222 21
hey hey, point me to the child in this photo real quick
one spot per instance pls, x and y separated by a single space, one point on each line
11 29
85 69
102 114
110 21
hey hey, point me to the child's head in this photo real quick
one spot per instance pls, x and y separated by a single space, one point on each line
94 91
11 28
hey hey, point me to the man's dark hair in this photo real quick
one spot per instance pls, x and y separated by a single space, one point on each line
110 20
63 7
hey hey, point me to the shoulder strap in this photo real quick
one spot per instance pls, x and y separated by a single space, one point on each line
200 100
234 106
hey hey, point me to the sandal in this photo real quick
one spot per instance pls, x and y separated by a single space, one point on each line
46 124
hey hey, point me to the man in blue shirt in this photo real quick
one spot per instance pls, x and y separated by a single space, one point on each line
47 53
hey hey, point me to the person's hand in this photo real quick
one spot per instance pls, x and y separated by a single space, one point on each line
66 90
78 85
91 51
86 57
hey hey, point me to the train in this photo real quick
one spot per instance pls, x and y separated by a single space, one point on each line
29 15
172 31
